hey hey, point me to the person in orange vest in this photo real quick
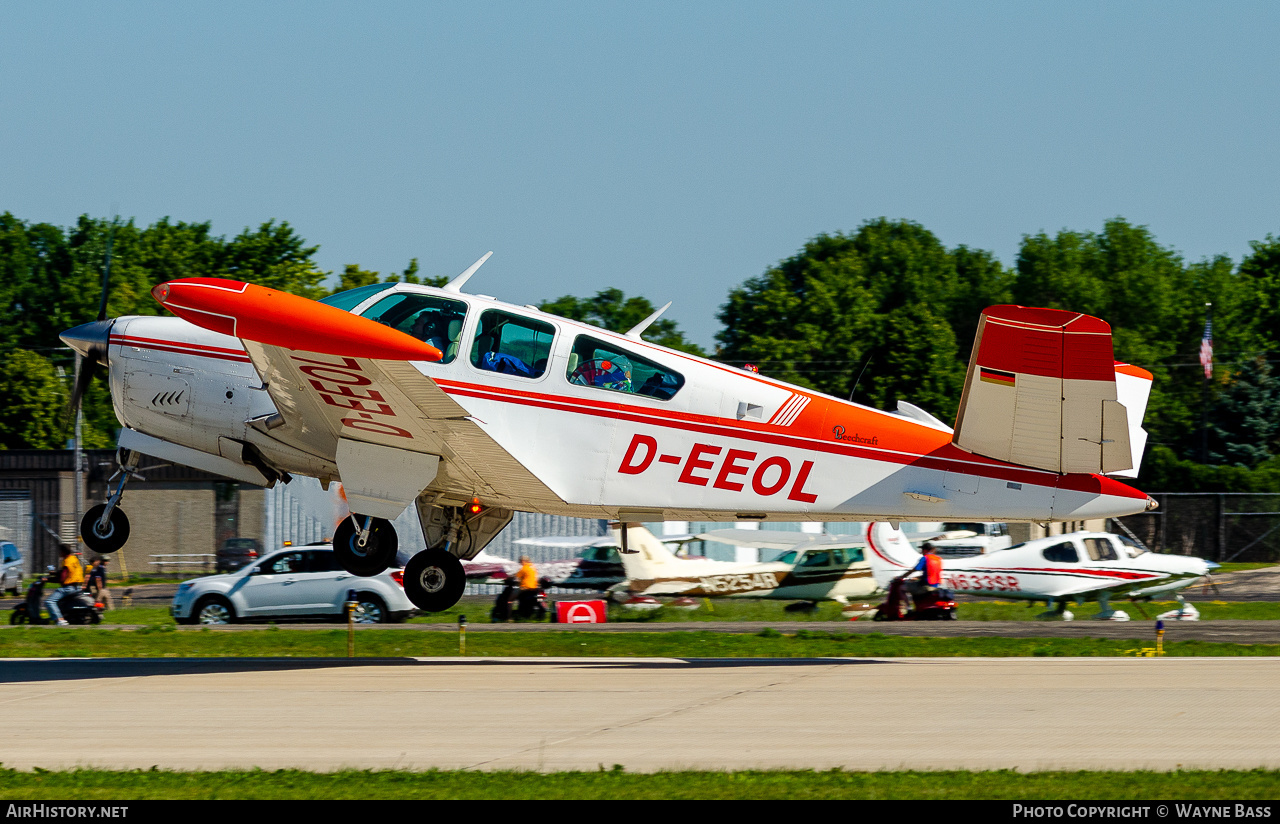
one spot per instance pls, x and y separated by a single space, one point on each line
527 580
930 568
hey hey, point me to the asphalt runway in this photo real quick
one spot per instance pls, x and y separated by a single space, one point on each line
646 714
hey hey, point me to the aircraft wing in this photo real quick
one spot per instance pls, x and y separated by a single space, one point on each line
774 539
346 387
566 541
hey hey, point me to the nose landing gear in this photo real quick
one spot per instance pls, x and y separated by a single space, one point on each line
365 546
105 527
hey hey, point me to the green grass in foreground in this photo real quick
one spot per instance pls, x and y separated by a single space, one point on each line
168 641
773 611
616 783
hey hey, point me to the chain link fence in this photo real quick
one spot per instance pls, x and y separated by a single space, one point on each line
1218 526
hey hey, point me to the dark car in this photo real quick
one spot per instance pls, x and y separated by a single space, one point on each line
237 553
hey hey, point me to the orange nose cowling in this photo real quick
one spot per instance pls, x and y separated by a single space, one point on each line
269 316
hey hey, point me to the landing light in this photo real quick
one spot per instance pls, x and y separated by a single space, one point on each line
474 508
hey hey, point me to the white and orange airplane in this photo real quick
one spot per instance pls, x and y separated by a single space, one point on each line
468 408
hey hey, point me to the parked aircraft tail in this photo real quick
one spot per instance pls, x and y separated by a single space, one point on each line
888 552
649 558
1041 391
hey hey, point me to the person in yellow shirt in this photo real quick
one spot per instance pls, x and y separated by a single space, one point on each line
70 580
527 580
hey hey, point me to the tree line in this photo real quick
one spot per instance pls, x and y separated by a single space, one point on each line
880 313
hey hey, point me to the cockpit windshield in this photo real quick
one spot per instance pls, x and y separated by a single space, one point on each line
1131 547
350 299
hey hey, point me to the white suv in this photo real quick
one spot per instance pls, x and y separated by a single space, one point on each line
298 582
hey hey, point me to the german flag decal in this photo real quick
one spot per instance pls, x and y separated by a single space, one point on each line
996 376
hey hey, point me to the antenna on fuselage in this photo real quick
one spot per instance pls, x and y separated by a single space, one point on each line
634 331
455 285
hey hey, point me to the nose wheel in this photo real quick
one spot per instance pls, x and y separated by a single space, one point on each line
105 528
368 549
108 539
434 580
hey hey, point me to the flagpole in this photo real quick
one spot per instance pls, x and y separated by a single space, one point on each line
1206 361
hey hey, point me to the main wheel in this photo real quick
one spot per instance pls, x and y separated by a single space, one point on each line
19 614
377 553
434 580
214 610
370 609
104 541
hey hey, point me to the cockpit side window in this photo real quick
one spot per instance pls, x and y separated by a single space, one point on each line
437 321
1062 553
594 362
512 344
816 559
1100 549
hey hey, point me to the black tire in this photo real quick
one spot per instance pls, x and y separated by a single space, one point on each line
95 618
19 614
434 580
370 609
116 533
375 556
219 611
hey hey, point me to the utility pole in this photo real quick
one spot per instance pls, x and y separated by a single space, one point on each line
1206 361
78 452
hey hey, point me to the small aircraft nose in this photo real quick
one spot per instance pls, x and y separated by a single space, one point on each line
1212 565
90 339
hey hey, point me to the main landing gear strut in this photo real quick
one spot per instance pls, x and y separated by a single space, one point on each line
105 528
433 579
365 546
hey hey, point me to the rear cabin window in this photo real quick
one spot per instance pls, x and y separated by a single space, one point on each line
596 363
1062 554
437 321
512 345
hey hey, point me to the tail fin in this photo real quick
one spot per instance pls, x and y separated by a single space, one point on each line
1133 387
888 552
1041 392
649 558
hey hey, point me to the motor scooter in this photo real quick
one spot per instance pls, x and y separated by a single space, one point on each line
77 608
929 605
506 606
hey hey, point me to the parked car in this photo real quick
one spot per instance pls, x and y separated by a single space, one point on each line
10 568
965 540
236 553
293 583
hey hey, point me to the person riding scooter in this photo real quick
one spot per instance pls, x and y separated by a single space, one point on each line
71 578
930 568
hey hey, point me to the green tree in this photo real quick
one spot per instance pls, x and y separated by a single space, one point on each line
880 303
611 309
1245 418
35 398
274 255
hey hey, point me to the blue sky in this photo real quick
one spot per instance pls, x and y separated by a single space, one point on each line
669 149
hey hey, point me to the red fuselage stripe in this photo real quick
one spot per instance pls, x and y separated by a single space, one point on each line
669 420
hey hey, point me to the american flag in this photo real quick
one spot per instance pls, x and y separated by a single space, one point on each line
1206 349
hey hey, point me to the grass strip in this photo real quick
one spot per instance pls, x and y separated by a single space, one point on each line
168 642
615 783
775 611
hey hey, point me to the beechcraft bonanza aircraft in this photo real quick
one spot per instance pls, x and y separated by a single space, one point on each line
1081 566
468 408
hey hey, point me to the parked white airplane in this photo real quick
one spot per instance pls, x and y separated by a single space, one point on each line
1082 566
815 571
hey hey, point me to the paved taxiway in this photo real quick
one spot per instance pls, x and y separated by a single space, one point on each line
647 714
